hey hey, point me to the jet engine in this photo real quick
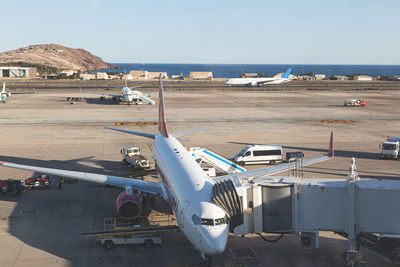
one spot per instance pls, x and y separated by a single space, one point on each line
254 84
128 207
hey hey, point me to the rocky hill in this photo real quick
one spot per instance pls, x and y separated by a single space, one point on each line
56 56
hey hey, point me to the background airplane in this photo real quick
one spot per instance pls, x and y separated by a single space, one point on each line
4 95
259 81
131 96
198 201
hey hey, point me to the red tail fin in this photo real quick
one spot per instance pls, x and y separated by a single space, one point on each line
162 124
125 79
331 152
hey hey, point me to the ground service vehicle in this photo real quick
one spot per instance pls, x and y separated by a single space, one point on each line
11 186
390 148
259 154
353 102
147 240
133 158
38 181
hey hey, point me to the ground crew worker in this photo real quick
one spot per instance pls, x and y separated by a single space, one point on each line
61 183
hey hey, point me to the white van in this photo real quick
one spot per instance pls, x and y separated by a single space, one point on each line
259 154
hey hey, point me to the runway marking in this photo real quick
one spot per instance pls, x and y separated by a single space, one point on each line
243 253
136 123
339 121
29 211
235 264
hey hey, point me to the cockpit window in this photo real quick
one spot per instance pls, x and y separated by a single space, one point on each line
220 221
196 219
207 222
203 221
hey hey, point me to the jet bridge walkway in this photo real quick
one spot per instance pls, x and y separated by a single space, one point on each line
365 211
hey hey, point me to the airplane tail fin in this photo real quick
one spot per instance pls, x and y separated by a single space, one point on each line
125 79
287 73
331 152
162 124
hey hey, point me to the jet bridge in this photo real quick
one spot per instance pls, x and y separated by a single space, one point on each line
304 206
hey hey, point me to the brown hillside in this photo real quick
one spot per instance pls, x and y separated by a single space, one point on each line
55 55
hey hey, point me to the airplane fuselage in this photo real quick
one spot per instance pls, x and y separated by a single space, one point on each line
188 190
254 81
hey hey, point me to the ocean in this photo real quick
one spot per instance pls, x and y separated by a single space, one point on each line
235 70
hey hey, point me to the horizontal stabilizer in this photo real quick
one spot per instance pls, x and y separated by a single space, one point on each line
132 132
191 131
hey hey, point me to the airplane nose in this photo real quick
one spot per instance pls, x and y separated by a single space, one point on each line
216 240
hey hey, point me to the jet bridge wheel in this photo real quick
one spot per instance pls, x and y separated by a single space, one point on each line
108 244
148 243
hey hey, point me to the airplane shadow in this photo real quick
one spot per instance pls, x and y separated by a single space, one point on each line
338 153
97 101
361 174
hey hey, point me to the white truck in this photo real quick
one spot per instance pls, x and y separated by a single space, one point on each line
390 148
132 157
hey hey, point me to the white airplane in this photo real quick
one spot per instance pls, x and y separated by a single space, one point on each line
206 209
131 96
259 81
4 95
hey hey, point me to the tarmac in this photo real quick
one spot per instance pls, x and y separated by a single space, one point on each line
43 227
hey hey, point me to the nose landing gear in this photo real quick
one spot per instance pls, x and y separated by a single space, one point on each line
205 260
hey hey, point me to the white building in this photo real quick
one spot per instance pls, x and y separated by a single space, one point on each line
362 78
201 75
320 76
101 76
87 76
15 72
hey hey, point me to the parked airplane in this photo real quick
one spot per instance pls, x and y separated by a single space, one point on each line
4 96
206 209
259 81
131 96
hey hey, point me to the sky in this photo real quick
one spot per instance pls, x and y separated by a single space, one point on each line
217 31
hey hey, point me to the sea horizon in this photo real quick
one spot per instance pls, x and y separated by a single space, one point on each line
236 70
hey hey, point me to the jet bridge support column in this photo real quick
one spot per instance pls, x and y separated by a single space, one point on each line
353 253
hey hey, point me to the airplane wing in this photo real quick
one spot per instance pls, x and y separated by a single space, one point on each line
126 183
267 171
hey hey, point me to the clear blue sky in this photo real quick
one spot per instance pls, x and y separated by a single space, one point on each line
218 31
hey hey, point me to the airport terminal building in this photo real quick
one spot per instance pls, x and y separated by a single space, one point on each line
17 72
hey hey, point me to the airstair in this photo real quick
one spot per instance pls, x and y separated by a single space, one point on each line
203 155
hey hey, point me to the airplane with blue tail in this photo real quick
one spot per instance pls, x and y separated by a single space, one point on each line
259 81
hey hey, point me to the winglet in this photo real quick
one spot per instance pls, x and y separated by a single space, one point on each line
287 73
331 152
4 87
162 124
